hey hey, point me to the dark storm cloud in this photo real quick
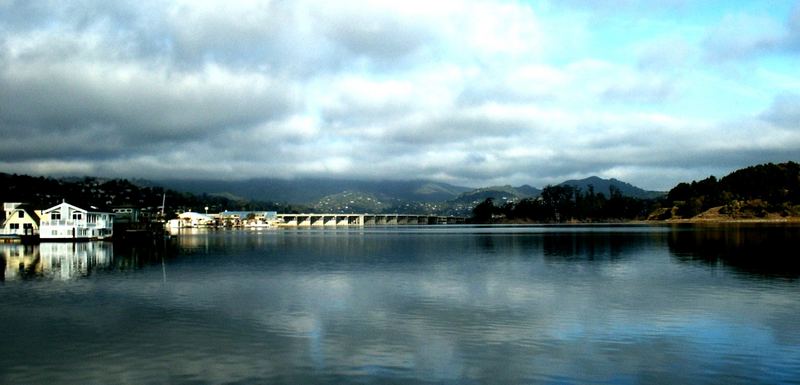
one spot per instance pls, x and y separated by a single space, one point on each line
83 84
137 108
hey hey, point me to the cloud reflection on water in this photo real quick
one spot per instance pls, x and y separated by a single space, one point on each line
570 307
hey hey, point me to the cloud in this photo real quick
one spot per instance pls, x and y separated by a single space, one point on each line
744 36
784 112
666 54
473 93
627 5
793 39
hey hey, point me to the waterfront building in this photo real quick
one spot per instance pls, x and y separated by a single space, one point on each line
20 220
127 214
65 221
248 218
193 219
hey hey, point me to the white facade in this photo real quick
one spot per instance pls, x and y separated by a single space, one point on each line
193 219
66 221
249 218
20 220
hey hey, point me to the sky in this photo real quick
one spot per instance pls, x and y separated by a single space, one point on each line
474 93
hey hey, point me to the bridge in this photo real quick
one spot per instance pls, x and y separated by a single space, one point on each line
349 220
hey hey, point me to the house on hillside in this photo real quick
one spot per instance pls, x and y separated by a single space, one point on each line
65 221
20 220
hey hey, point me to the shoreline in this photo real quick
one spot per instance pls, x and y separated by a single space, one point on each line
717 220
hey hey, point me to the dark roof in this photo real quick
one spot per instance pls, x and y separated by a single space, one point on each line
30 211
27 208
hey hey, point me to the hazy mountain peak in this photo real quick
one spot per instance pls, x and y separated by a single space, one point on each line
601 185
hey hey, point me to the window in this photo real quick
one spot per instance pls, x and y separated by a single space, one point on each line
55 216
27 226
20 214
14 226
76 216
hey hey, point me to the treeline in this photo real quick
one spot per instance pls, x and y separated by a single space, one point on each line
749 192
752 192
44 192
566 204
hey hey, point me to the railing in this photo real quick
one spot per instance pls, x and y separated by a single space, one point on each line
58 222
64 222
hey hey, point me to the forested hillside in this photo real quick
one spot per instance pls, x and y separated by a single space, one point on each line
44 192
767 190
750 192
565 203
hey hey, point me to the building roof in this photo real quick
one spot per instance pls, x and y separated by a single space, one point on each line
31 212
28 209
92 209
192 214
244 214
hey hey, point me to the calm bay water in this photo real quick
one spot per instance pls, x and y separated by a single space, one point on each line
460 305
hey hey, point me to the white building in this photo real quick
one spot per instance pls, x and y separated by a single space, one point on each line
193 219
20 220
66 221
249 218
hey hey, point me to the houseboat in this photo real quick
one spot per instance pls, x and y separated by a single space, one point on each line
21 220
68 222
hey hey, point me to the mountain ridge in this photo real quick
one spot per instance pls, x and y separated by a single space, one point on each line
605 186
311 190
308 190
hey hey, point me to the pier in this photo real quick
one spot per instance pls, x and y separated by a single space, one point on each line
351 220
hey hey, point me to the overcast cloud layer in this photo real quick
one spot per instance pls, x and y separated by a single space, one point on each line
473 93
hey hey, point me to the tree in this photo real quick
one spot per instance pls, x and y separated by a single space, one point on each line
483 212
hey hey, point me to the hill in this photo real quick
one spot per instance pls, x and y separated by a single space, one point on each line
498 193
351 202
752 192
605 186
106 193
307 190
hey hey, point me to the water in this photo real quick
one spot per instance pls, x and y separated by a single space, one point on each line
452 305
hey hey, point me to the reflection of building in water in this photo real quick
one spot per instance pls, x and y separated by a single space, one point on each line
56 260
69 260
20 260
